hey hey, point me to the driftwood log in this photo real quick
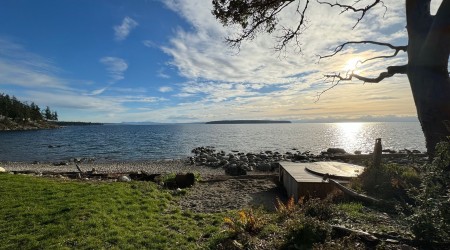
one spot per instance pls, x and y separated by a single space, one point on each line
343 231
355 195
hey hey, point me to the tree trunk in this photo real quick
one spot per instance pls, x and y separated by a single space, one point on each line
428 54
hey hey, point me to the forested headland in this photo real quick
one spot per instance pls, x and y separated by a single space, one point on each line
18 115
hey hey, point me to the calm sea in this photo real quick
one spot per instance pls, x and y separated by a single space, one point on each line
150 142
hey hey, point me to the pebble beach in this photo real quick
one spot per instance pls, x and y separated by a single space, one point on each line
151 167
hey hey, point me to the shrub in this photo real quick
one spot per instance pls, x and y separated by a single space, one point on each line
389 181
304 233
321 209
431 219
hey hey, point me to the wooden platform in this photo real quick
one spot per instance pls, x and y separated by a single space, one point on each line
307 179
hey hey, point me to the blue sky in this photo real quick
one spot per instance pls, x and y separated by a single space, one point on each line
166 61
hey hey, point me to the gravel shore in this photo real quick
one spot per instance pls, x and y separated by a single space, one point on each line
151 167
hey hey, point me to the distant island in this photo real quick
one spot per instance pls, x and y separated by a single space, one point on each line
68 123
245 122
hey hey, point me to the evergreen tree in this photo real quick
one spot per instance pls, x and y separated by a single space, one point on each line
54 116
14 109
48 113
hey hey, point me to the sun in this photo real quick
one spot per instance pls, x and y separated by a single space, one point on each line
352 64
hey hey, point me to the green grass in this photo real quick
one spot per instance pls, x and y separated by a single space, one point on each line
41 213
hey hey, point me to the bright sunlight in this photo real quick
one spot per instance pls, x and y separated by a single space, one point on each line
352 64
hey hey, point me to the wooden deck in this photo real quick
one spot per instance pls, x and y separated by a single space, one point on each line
307 179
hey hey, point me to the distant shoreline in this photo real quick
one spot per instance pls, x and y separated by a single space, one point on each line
246 122
61 123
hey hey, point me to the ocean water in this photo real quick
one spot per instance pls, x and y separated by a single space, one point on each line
151 142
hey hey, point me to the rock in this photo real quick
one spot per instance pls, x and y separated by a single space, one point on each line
2 170
263 166
358 152
124 178
234 170
211 159
274 166
185 180
263 156
336 151
62 163
300 157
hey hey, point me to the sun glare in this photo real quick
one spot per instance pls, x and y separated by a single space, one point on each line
352 64
349 133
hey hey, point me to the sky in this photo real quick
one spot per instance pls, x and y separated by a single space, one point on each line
167 61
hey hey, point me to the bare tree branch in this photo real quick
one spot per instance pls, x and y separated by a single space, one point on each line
341 47
337 78
262 20
346 7
289 34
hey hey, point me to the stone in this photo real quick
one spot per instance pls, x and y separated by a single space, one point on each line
263 166
263 156
211 159
274 166
358 152
62 163
185 180
336 151
234 170
2 170
300 157
124 178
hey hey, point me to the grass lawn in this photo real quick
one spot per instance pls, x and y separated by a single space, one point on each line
42 213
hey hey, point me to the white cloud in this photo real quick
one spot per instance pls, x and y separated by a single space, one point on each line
256 81
165 89
98 91
122 31
150 44
116 67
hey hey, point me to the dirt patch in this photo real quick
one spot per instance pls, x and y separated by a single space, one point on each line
220 193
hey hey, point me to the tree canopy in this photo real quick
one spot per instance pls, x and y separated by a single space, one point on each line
12 108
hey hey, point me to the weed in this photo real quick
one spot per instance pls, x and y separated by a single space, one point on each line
246 221
285 209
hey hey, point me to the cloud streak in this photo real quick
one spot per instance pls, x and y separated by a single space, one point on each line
20 67
116 68
122 31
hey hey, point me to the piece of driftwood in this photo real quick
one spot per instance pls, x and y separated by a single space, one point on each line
79 169
344 231
353 194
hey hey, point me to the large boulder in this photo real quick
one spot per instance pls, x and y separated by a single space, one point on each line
185 180
124 178
263 166
2 170
336 151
